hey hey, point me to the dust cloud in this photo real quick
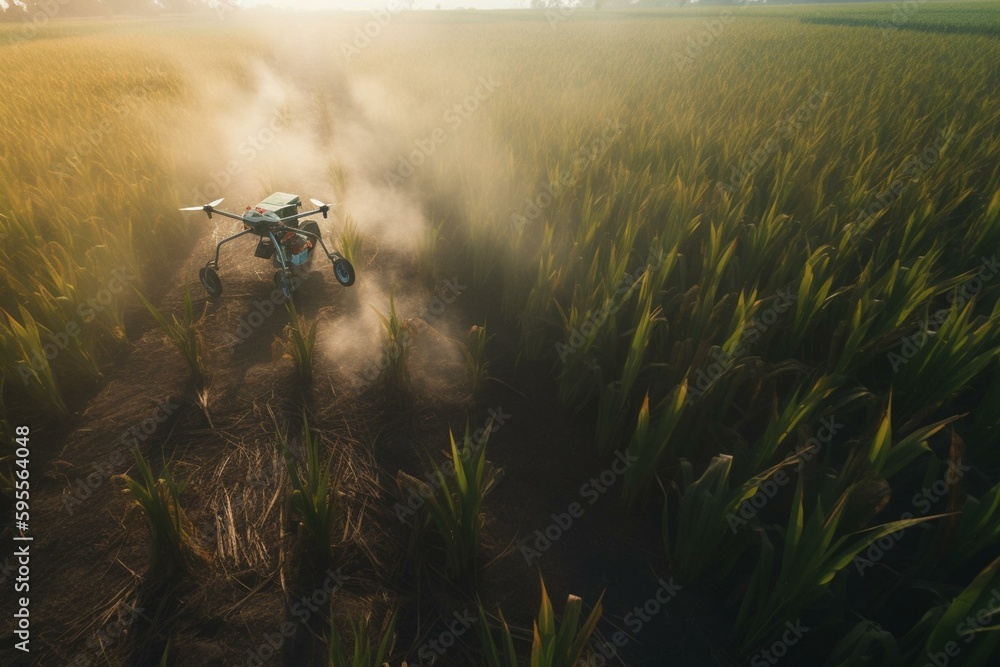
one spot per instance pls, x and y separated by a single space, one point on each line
294 119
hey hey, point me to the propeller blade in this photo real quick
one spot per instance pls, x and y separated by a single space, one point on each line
323 208
203 207
207 208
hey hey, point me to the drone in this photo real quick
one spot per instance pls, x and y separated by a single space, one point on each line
275 221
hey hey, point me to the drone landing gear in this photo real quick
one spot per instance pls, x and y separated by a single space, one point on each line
210 280
284 282
343 271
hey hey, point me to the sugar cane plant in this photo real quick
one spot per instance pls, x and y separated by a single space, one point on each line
173 541
704 519
25 341
361 648
351 240
866 642
651 441
299 343
71 240
554 643
184 333
449 525
314 498
475 356
396 333
967 620
814 553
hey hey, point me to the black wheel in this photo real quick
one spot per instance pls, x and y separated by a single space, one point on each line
210 281
311 227
343 272
283 284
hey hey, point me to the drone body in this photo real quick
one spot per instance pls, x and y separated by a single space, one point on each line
281 239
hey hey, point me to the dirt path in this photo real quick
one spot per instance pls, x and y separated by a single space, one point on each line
90 553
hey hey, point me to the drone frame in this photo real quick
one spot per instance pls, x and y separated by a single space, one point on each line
265 227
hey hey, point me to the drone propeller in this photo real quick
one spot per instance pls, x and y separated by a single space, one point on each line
323 208
207 208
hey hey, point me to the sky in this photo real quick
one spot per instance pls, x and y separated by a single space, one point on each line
366 4
382 4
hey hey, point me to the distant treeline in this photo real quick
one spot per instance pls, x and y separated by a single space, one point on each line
20 10
617 4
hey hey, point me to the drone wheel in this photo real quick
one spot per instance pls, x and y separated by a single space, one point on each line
210 281
312 227
283 284
343 272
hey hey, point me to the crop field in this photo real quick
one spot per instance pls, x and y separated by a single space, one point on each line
675 338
